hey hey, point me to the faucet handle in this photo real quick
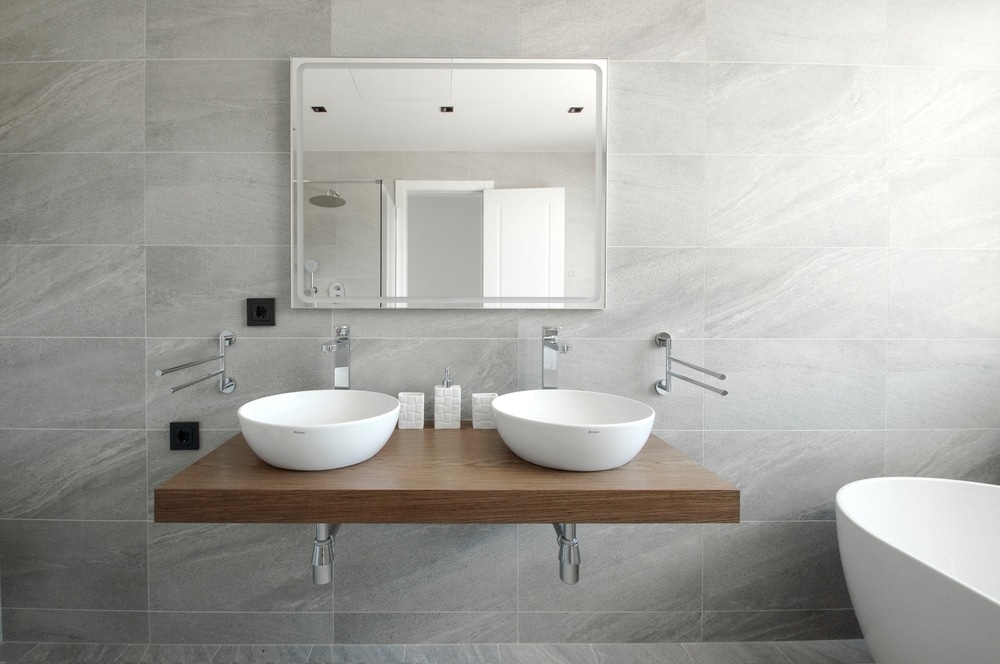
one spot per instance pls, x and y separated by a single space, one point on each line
342 332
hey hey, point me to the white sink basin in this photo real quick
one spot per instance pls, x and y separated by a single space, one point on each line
318 429
572 430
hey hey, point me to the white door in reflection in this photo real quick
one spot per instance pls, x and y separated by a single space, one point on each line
524 237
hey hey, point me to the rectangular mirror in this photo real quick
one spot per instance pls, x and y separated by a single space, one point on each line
448 183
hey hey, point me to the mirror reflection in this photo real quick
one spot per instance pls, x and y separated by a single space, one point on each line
448 183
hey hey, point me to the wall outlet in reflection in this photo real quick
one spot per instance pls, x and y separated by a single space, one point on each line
184 436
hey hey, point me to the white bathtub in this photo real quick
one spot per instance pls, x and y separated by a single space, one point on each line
922 561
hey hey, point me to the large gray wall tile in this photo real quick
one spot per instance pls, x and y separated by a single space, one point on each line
105 568
446 568
943 384
217 106
796 109
217 199
944 203
650 290
233 567
806 31
71 199
795 293
424 28
648 567
937 112
75 626
659 108
798 384
72 291
56 474
792 475
647 30
770 566
971 455
656 200
239 628
201 291
237 29
796 201
53 30
50 383
656 30
944 293
63 107
955 33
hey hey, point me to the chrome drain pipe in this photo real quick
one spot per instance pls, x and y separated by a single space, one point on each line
322 559
569 552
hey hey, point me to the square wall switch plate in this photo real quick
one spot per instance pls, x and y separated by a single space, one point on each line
260 311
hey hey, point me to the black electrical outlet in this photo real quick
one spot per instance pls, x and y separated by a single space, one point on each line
260 311
184 436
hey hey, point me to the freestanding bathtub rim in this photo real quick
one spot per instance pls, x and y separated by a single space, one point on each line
859 485
900 540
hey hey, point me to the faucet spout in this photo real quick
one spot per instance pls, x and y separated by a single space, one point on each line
340 346
551 350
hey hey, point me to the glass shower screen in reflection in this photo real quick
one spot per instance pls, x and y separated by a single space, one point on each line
442 183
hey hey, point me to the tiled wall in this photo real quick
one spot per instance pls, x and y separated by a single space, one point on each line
803 192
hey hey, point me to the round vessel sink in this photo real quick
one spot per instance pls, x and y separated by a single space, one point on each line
572 430
318 429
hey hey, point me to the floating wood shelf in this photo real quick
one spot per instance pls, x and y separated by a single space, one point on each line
446 476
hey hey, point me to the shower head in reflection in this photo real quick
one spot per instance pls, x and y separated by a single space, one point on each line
331 199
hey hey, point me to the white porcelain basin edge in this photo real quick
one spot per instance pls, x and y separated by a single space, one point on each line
573 429
318 429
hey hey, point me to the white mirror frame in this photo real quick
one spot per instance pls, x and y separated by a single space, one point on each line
299 278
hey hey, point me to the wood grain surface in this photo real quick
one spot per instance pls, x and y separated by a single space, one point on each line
446 476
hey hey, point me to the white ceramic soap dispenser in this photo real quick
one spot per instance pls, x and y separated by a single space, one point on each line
447 403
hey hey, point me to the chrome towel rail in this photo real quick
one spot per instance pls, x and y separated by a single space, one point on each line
226 384
663 386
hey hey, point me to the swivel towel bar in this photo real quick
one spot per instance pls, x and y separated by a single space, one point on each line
226 384
663 386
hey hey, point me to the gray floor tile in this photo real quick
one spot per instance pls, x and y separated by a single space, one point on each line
735 653
555 653
452 654
847 651
641 653
262 655
356 655
13 652
74 653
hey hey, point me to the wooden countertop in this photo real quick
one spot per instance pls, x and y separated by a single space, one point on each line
446 476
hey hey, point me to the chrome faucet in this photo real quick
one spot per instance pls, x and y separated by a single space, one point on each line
551 349
340 346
